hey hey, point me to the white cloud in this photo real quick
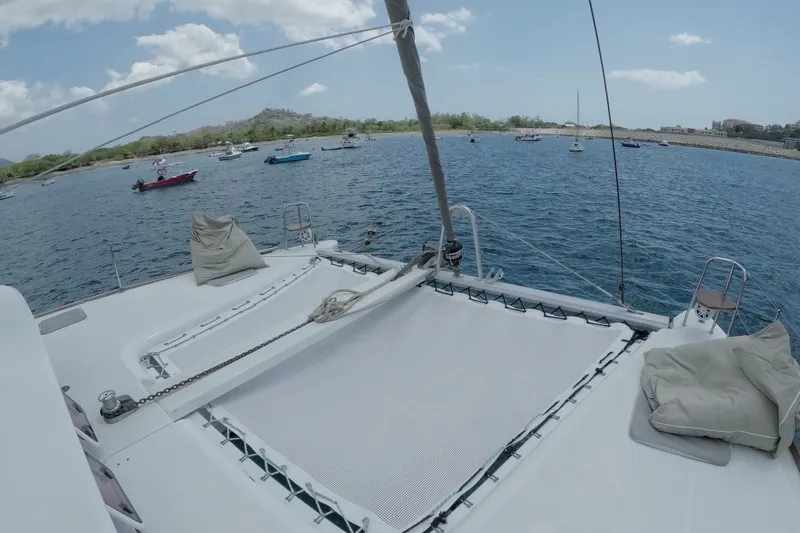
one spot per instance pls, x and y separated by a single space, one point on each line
423 59
465 66
660 79
25 14
19 100
452 20
184 46
313 89
298 19
686 39
76 93
436 26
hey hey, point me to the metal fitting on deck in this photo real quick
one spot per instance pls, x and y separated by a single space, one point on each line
115 409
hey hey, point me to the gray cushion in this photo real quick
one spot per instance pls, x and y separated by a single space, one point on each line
220 248
713 451
729 389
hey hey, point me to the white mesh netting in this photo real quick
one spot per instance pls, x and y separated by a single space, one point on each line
396 411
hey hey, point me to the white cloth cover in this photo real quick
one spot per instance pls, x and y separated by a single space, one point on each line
744 390
219 248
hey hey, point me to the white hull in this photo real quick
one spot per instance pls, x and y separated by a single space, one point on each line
5 195
228 157
576 147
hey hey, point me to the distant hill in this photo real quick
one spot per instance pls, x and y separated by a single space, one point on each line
266 119
5 163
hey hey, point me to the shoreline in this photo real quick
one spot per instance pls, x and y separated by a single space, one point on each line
727 144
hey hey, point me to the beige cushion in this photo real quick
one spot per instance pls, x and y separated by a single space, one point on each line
220 248
740 389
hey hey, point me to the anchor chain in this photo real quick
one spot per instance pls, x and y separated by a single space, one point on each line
172 388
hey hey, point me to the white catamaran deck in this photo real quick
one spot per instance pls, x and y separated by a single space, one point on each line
394 414
389 414
587 475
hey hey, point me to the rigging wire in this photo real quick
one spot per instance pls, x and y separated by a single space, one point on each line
207 100
614 153
121 88
553 259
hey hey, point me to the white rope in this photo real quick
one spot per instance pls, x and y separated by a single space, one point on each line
332 308
402 25
207 100
556 261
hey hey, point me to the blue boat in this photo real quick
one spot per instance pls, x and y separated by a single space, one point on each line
293 154
629 144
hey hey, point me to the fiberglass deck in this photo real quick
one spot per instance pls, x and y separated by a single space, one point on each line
396 411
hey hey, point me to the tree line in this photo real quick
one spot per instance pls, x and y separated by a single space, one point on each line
255 131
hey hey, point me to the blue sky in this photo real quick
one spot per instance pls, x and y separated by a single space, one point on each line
674 62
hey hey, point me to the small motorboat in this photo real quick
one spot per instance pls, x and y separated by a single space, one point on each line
126 167
589 138
161 168
48 182
162 182
350 139
473 137
292 153
230 152
663 143
247 147
576 147
630 144
528 137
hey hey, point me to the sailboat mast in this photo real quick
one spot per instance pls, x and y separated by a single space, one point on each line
578 125
409 58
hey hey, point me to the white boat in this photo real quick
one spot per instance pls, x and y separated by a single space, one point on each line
663 143
230 152
350 139
576 146
247 147
528 136
334 391
473 137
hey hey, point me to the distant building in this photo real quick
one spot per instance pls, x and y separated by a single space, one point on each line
713 133
790 143
672 129
716 125
731 123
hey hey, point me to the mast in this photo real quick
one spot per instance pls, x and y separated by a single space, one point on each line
409 58
578 125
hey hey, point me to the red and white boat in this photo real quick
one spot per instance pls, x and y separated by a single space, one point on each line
161 168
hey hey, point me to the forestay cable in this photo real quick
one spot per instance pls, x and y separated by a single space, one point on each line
614 153
198 104
199 66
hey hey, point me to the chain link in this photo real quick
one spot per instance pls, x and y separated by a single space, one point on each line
208 371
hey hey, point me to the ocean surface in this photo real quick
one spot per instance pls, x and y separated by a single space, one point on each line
679 206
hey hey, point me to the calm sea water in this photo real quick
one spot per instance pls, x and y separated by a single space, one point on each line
680 205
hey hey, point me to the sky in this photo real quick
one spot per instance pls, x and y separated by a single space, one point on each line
675 62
